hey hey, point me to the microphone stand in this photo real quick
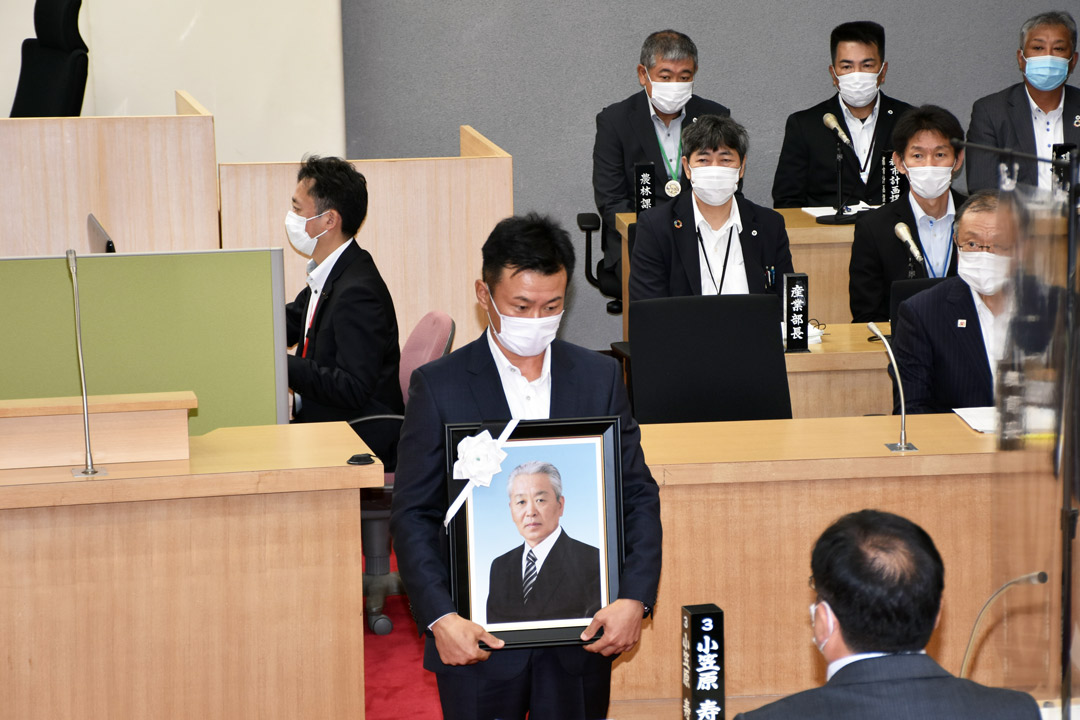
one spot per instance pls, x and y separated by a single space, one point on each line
839 218
903 445
89 470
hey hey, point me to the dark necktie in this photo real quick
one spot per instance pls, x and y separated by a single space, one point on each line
530 575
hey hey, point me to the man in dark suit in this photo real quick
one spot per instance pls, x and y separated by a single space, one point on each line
806 171
645 128
949 339
516 369
343 322
879 579
1034 115
551 576
879 258
710 242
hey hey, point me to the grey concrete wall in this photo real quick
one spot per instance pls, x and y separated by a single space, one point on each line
532 76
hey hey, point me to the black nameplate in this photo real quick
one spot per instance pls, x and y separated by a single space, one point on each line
891 189
646 186
796 311
1062 151
703 662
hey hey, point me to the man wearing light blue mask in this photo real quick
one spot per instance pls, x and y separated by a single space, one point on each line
1034 115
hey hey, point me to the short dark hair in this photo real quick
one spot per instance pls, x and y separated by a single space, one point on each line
667 45
336 185
709 132
978 202
527 242
883 578
1059 18
866 32
925 117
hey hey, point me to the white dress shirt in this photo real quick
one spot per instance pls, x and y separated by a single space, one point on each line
862 135
670 138
836 665
712 248
541 551
316 278
527 400
1048 132
994 329
935 235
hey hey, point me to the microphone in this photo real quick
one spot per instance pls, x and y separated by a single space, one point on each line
903 445
904 233
1035 578
833 124
89 470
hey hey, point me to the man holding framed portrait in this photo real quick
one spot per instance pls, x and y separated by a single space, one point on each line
516 369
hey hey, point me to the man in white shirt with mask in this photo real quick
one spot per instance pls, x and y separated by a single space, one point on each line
1034 115
878 256
517 369
949 339
710 241
877 582
646 128
806 172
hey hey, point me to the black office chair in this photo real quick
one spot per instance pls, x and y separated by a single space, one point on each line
52 79
709 358
902 290
607 280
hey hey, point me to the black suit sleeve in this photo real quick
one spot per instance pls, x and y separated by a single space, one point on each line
914 356
783 262
650 266
610 188
294 318
789 183
359 330
981 165
866 275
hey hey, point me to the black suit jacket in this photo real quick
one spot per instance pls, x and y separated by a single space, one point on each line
879 258
806 171
942 365
351 366
568 585
1003 120
625 135
666 261
899 686
465 387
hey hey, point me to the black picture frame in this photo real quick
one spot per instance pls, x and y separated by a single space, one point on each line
478 525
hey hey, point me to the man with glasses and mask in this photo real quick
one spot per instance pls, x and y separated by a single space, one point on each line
517 369
343 323
948 339
1034 115
878 579
806 172
878 257
711 241
646 128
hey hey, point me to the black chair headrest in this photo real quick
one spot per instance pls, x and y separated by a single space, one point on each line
56 23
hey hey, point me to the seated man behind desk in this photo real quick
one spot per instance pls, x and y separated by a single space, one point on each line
1034 115
710 242
879 580
343 322
646 128
948 339
878 257
806 172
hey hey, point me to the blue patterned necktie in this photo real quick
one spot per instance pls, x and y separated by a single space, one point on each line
530 575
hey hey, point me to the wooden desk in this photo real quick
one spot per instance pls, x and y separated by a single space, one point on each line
843 376
743 503
821 251
225 586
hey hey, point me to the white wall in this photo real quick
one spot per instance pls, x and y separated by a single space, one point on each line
270 72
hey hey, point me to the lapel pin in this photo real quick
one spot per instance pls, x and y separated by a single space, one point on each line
889 111
1076 121
678 224
961 323
695 119
754 233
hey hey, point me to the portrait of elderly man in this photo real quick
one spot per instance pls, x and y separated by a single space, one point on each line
550 576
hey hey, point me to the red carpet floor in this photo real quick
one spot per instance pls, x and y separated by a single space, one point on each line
395 682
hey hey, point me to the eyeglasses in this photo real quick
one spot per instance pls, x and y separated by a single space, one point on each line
995 249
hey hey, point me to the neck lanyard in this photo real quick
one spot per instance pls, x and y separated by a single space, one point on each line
944 270
672 170
708 265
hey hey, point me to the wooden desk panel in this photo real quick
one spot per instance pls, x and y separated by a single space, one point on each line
843 376
230 589
823 252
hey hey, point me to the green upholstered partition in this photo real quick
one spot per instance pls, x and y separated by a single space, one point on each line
210 322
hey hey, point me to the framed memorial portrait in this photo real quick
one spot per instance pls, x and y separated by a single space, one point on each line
538 550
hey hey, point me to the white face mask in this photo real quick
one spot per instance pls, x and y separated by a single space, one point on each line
829 616
984 272
929 182
714 185
858 89
670 97
296 229
525 337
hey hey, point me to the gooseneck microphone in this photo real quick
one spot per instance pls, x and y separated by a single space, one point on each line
841 139
89 470
904 233
1035 578
903 445
833 124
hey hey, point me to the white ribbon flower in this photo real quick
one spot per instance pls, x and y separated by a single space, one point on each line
479 459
